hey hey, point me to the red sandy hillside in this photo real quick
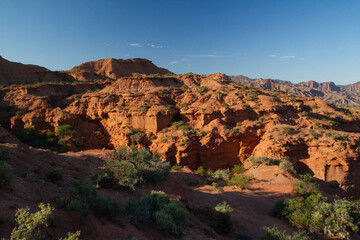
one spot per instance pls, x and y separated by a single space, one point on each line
18 73
115 68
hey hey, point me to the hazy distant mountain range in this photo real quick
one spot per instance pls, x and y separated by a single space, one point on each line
328 91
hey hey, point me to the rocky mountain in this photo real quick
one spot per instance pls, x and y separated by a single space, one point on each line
18 73
327 91
115 68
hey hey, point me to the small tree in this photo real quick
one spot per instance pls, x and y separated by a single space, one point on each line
29 224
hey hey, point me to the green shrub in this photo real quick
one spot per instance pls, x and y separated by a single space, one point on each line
176 167
29 131
217 187
154 75
169 217
231 131
201 171
104 207
299 210
335 220
223 220
287 166
144 107
203 133
18 113
202 89
288 130
72 236
279 208
273 233
74 204
5 173
306 185
84 199
131 168
210 181
238 169
256 161
283 163
177 125
304 113
137 75
224 174
184 106
136 136
253 96
28 224
104 179
313 212
315 135
54 176
338 137
46 140
242 181
125 173
65 130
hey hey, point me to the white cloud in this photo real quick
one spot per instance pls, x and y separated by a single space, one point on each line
135 45
288 57
206 56
155 46
283 57
174 62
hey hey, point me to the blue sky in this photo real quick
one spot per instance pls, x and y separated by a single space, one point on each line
289 40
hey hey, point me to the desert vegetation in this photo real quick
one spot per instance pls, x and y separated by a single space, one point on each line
131 168
29 224
313 212
160 155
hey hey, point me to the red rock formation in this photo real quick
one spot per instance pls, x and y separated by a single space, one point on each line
115 68
18 73
225 123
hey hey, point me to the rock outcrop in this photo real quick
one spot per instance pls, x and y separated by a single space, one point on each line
18 73
12 73
115 68
197 121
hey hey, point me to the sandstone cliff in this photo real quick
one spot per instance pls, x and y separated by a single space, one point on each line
199 121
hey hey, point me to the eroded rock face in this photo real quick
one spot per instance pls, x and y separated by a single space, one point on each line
18 73
222 123
115 68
